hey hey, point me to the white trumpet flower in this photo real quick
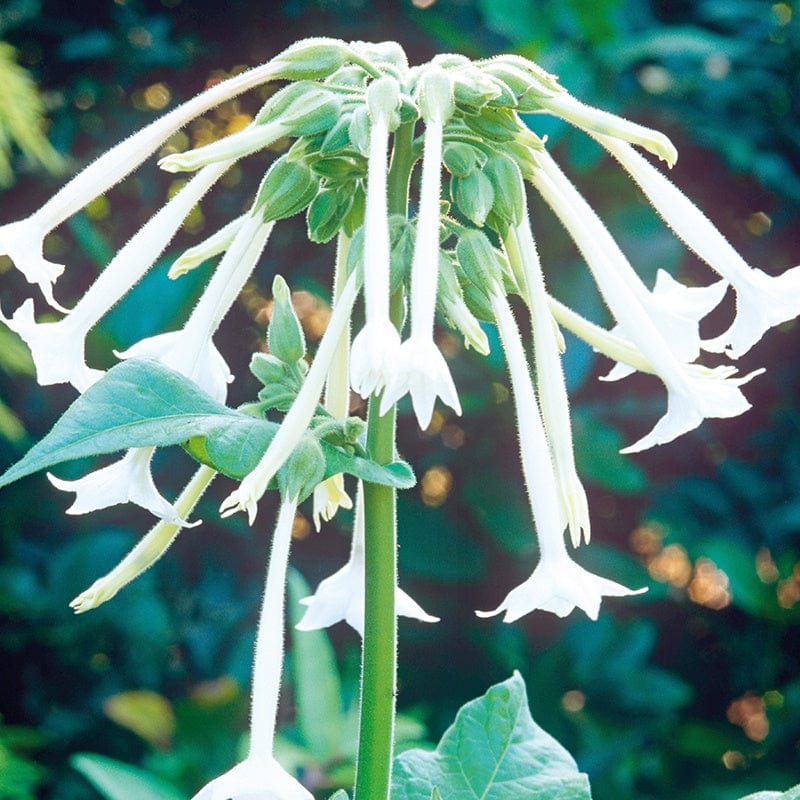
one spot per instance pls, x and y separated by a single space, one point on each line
58 347
694 393
421 368
762 301
341 596
260 776
374 350
23 241
557 584
297 419
550 381
675 309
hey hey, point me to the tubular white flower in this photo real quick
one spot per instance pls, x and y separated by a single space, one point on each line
552 388
149 548
676 310
597 122
762 301
260 776
58 347
330 495
558 584
22 241
341 596
693 393
422 369
125 481
237 145
296 421
374 349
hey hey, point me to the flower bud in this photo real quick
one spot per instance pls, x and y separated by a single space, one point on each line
288 187
383 98
311 58
474 196
436 95
483 265
267 368
461 158
509 190
303 470
285 335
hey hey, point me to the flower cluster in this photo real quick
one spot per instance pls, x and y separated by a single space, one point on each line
361 119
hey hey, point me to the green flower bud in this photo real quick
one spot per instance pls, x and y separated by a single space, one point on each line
303 109
340 168
509 190
303 470
338 137
358 130
327 212
494 124
473 195
383 98
482 264
311 58
287 188
435 95
284 335
354 218
461 158
267 368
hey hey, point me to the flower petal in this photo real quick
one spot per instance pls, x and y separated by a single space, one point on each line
255 778
373 356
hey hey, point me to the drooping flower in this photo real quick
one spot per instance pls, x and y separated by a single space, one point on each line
675 309
374 349
58 347
421 369
557 584
341 596
259 776
149 548
694 393
128 480
297 419
23 241
762 301
550 381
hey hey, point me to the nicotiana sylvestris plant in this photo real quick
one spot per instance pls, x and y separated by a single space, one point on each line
362 122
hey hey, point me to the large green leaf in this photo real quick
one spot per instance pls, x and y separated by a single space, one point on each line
116 780
140 403
493 751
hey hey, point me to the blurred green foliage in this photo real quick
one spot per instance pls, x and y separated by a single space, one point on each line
691 691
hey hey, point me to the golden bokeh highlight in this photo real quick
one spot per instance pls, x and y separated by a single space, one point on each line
749 712
435 485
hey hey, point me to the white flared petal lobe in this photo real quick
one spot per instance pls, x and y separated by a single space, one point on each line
421 371
22 242
676 311
341 597
128 480
706 393
57 349
255 778
559 585
373 356
762 302
208 370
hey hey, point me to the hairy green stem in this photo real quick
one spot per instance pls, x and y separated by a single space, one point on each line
379 655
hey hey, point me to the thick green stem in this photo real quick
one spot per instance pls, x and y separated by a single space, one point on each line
379 655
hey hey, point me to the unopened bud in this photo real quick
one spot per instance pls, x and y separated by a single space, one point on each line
311 58
285 335
436 95
287 188
303 470
383 98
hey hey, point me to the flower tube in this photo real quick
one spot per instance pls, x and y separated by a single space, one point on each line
553 397
297 419
373 354
762 301
341 596
675 309
148 550
557 584
22 241
58 347
260 776
330 495
693 392
421 368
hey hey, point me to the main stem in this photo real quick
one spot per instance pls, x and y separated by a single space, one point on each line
379 654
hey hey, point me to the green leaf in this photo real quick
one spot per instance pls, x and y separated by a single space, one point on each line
141 403
791 794
493 751
317 687
116 780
